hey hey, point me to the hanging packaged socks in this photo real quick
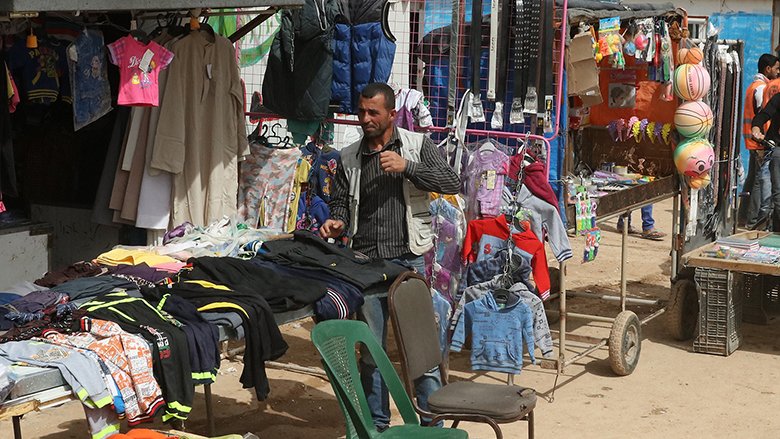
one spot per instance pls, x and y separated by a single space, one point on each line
532 20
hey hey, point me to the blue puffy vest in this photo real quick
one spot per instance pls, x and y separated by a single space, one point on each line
362 53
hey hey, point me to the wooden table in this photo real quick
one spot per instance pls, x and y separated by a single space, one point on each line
697 259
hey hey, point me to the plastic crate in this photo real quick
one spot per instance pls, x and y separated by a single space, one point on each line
761 298
720 311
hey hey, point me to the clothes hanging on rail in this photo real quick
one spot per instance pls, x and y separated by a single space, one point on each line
363 51
546 223
411 107
7 161
201 133
541 328
139 67
299 74
89 78
484 238
324 162
486 172
489 324
265 183
154 199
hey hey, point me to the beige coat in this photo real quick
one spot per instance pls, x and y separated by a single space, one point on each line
201 132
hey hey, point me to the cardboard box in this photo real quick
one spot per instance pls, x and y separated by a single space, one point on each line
582 71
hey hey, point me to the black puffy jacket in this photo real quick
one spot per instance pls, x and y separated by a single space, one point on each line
297 83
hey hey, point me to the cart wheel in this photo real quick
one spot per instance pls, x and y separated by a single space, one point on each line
552 305
683 309
625 343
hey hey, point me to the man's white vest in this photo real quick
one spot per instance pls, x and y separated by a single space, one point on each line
418 216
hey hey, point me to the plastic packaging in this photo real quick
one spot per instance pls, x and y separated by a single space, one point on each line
6 382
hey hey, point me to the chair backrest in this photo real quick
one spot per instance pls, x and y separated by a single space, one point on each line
336 342
414 323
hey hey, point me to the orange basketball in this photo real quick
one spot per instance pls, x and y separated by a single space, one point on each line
681 55
694 55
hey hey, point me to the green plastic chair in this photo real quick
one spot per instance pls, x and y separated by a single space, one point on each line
336 341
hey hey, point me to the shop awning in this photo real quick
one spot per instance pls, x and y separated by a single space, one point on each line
139 5
590 10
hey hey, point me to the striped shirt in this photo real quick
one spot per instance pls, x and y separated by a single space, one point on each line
382 231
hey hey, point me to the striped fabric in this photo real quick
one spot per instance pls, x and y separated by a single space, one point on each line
382 230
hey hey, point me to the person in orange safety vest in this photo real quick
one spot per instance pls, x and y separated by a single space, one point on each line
758 183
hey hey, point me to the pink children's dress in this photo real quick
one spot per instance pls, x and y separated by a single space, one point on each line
139 66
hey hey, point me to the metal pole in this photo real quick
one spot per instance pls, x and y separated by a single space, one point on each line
675 219
17 423
609 297
626 220
562 321
577 315
588 351
653 315
209 410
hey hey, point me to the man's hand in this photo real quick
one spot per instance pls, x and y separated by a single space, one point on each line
757 134
392 162
332 228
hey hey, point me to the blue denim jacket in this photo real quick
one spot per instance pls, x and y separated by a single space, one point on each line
89 78
497 335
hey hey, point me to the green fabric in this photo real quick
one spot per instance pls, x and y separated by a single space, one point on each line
302 129
256 44
335 340
772 240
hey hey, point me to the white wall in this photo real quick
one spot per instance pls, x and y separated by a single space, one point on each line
24 258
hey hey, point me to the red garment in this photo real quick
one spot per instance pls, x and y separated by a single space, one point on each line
515 165
536 182
526 241
142 433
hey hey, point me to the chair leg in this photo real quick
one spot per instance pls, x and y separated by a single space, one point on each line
455 423
496 428
531 425
17 423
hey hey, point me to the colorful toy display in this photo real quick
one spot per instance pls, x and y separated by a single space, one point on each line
610 42
621 130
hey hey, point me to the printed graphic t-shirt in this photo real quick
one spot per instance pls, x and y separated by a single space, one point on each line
138 87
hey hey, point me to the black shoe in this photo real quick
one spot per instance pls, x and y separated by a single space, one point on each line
760 224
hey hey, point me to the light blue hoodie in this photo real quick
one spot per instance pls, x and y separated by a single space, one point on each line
497 334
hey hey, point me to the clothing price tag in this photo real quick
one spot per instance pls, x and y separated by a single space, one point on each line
490 179
208 71
146 61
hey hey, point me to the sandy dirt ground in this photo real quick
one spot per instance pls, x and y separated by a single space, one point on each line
672 393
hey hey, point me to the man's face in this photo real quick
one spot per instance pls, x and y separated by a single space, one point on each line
774 71
374 117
